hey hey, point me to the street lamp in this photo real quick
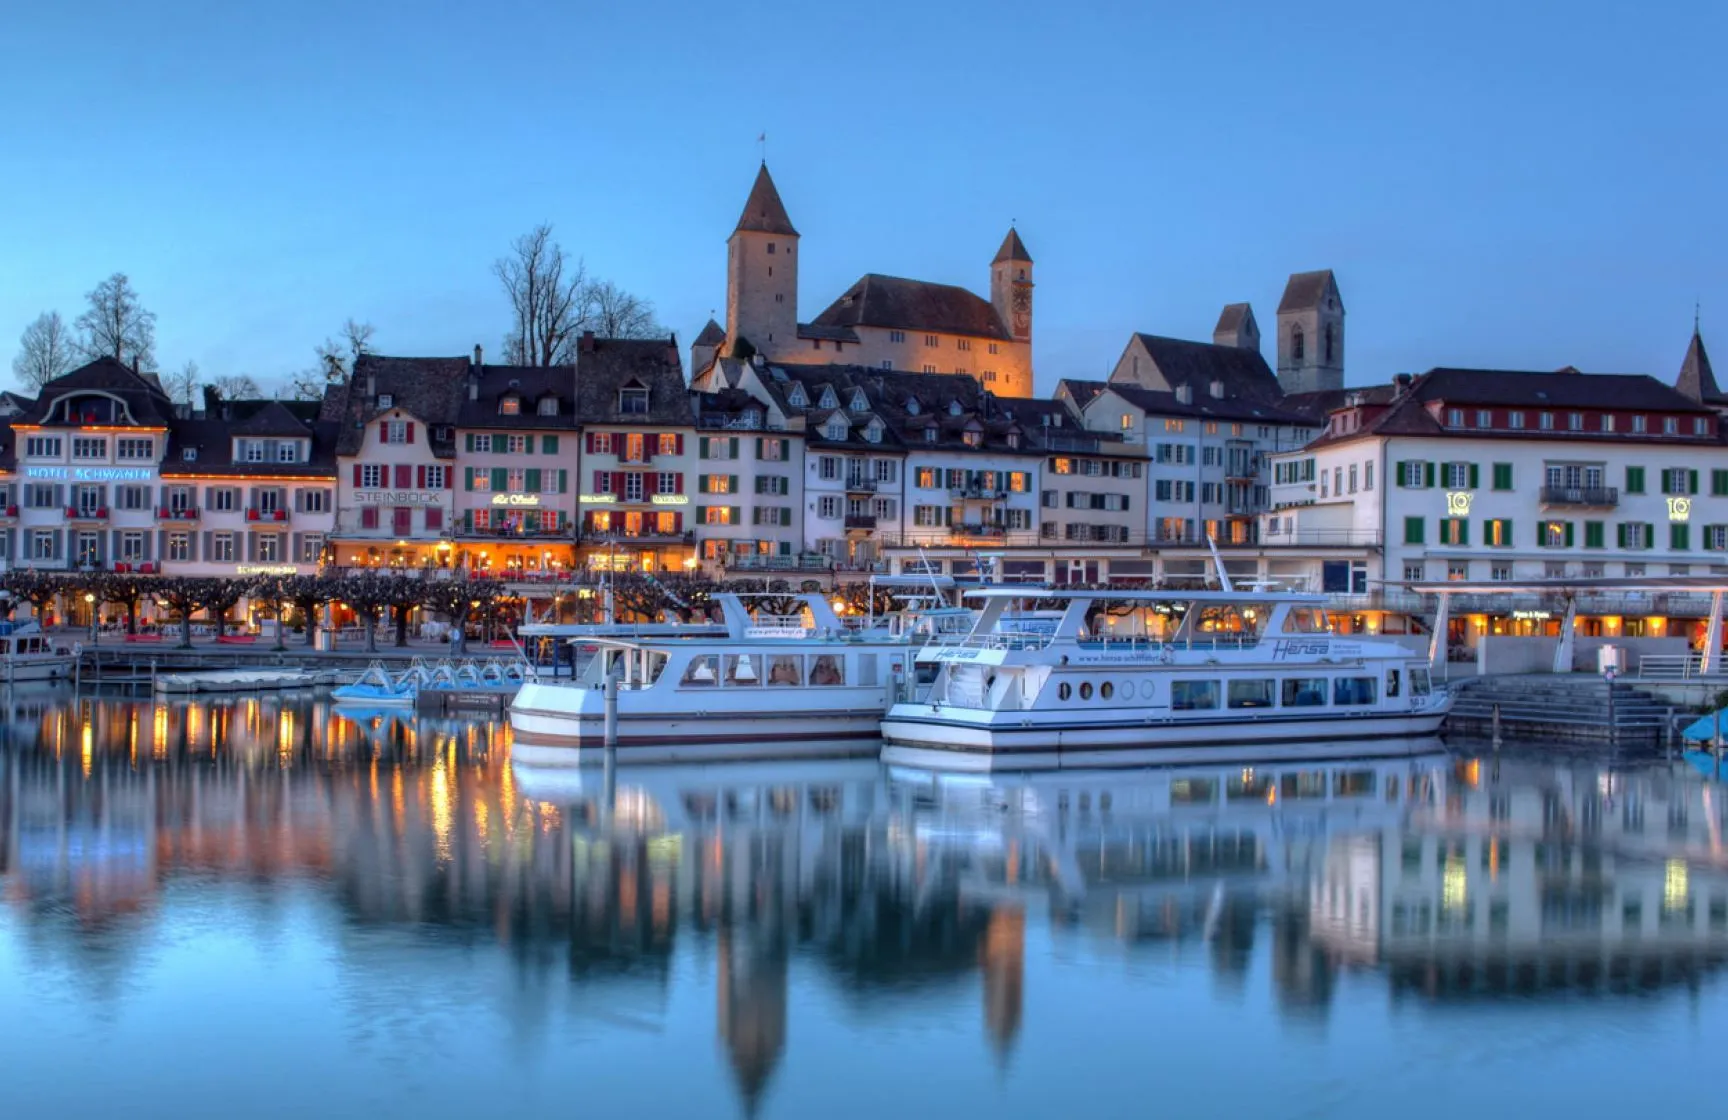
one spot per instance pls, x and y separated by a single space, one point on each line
90 598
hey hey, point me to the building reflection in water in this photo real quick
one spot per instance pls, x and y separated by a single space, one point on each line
1447 877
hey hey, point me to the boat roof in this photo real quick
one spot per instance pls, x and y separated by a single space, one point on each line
1148 595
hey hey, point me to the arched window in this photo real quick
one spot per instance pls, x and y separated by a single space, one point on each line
1328 338
1296 347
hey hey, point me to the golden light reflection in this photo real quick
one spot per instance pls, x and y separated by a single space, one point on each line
1675 889
87 743
159 732
1454 888
442 811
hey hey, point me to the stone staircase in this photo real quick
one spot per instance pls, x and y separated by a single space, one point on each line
1558 708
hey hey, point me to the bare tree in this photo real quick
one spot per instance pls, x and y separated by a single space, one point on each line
182 387
546 299
116 325
335 362
45 351
236 386
611 312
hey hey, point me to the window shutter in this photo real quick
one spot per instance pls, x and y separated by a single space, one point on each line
356 478
563 481
1412 530
678 484
701 484
702 448
732 448
420 477
468 442
410 428
404 476
758 447
736 514
1680 536
1475 476
500 479
588 437
731 484
1428 475
468 479
1692 480
1620 535
549 444
1463 530
533 480
1568 534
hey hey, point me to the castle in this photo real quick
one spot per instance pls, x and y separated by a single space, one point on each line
883 322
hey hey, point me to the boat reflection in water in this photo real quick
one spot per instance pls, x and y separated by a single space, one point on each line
914 897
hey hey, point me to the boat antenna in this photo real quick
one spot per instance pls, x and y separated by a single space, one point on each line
935 587
1223 576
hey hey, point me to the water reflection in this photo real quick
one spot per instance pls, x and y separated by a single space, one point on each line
898 894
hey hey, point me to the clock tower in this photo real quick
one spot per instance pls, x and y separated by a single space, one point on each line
1011 286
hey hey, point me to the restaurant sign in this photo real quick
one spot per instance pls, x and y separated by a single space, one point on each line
397 497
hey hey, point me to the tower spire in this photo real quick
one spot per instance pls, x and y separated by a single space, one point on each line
763 210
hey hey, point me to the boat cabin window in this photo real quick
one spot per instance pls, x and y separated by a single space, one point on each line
1250 694
1391 683
1306 620
741 670
1353 690
1188 696
1354 783
1193 791
1307 786
1247 786
785 668
826 668
1305 692
703 671
1230 619
1419 682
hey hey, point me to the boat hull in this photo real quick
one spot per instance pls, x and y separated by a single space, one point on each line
946 739
26 668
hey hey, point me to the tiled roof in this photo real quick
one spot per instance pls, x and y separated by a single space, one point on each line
1013 249
763 210
484 393
605 366
1697 380
144 399
271 418
1317 404
1198 364
1305 290
827 333
8 448
713 334
1231 318
913 305
431 389
213 440
1081 392
1203 405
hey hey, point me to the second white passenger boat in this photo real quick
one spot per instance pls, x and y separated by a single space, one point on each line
1130 678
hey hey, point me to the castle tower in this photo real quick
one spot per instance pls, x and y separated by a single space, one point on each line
1697 380
1011 286
1311 333
762 273
706 347
1237 328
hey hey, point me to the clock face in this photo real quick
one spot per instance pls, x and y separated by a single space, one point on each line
1022 311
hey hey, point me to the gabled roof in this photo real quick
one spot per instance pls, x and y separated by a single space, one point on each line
143 397
272 418
913 305
1202 405
763 210
1305 290
713 334
605 366
1081 392
532 384
431 389
1013 249
1697 380
1198 364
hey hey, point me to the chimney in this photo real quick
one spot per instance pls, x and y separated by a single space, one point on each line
1184 393
479 356
586 344
372 387
1217 389
1401 383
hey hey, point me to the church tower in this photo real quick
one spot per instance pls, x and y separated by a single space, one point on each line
1311 334
1011 286
762 273
1236 328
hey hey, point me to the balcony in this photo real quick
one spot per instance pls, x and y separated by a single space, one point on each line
189 513
512 533
8 513
266 515
1581 497
74 513
808 562
860 521
977 493
626 539
860 486
983 532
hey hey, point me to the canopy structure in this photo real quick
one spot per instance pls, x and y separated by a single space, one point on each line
1149 595
1569 590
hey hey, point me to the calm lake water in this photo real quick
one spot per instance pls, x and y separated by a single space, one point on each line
263 907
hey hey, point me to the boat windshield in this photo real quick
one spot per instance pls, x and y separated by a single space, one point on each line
1306 620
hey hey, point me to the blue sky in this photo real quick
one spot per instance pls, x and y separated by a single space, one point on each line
1519 185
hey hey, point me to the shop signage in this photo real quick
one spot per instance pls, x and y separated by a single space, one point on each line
671 499
265 569
92 474
1679 509
598 499
1531 616
1458 503
396 497
515 499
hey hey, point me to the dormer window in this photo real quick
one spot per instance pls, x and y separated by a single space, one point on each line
386 400
954 408
548 406
913 407
859 404
188 454
1013 440
836 429
873 432
796 398
973 438
929 435
633 400
287 451
828 399
510 405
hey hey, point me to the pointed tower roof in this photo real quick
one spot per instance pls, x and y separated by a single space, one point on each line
1233 317
712 335
1697 380
1013 249
763 210
1306 289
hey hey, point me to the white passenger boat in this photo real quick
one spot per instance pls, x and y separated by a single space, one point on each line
1130 678
803 685
27 654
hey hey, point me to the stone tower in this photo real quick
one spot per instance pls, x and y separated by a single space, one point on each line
1311 333
762 273
1237 328
1011 286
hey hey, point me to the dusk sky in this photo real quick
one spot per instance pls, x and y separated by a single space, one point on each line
1515 185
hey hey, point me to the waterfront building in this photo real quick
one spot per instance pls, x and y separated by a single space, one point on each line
882 322
638 443
749 481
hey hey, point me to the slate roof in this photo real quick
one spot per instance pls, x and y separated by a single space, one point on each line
1013 249
431 389
1081 392
604 366
272 418
913 305
763 210
8 448
1305 290
491 384
1202 405
144 399
827 333
713 334
213 439
1697 380
1319 403
15 401
1198 364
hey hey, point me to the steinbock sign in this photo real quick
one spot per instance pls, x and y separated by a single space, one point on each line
92 474
396 497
